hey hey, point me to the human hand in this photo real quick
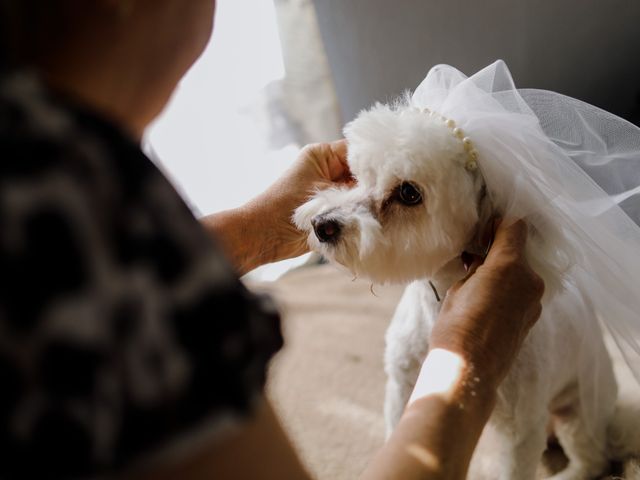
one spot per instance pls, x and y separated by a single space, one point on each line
486 316
318 166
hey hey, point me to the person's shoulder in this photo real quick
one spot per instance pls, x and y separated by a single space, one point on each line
44 132
110 289
58 150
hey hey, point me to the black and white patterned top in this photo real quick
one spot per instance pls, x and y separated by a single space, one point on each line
123 331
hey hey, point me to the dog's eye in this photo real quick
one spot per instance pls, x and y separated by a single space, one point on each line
408 194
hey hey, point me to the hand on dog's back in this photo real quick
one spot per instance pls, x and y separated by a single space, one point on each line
486 316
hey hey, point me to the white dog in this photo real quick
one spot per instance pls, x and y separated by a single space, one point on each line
419 202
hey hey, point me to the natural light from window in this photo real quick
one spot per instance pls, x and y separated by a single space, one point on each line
212 138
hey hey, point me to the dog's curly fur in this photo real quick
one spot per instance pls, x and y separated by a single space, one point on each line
377 235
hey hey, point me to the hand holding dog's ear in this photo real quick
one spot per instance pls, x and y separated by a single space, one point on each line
318 166
326 161
486 316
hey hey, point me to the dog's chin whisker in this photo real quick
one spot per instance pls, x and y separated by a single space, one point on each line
372 291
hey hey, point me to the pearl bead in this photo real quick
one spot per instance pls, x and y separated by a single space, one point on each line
471 166
473 154
466 141
451 123
458 132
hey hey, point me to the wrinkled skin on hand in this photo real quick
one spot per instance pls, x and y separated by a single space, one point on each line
318 166
486 316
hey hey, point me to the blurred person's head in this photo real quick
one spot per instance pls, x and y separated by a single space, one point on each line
124 57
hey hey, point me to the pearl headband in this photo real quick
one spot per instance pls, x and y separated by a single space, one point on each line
472 153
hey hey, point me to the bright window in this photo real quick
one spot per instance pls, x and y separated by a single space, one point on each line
212 139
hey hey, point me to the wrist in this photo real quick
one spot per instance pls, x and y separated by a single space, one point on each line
453 378
271 213
236 233
446 430
255 236
463 335
440 427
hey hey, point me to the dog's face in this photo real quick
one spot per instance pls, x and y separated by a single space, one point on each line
415 203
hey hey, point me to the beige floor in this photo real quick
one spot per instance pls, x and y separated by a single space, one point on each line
328 382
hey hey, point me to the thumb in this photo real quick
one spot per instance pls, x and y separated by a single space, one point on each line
510 236
471 263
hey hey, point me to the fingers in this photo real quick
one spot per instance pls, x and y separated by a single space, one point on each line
330 160
534 315
471 269
339 148
470 262
510 238
338 166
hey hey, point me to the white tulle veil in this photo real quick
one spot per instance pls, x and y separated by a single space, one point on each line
571 169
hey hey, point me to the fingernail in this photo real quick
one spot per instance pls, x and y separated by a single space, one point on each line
467 260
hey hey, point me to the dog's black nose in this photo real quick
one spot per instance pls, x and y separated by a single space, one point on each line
326 230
